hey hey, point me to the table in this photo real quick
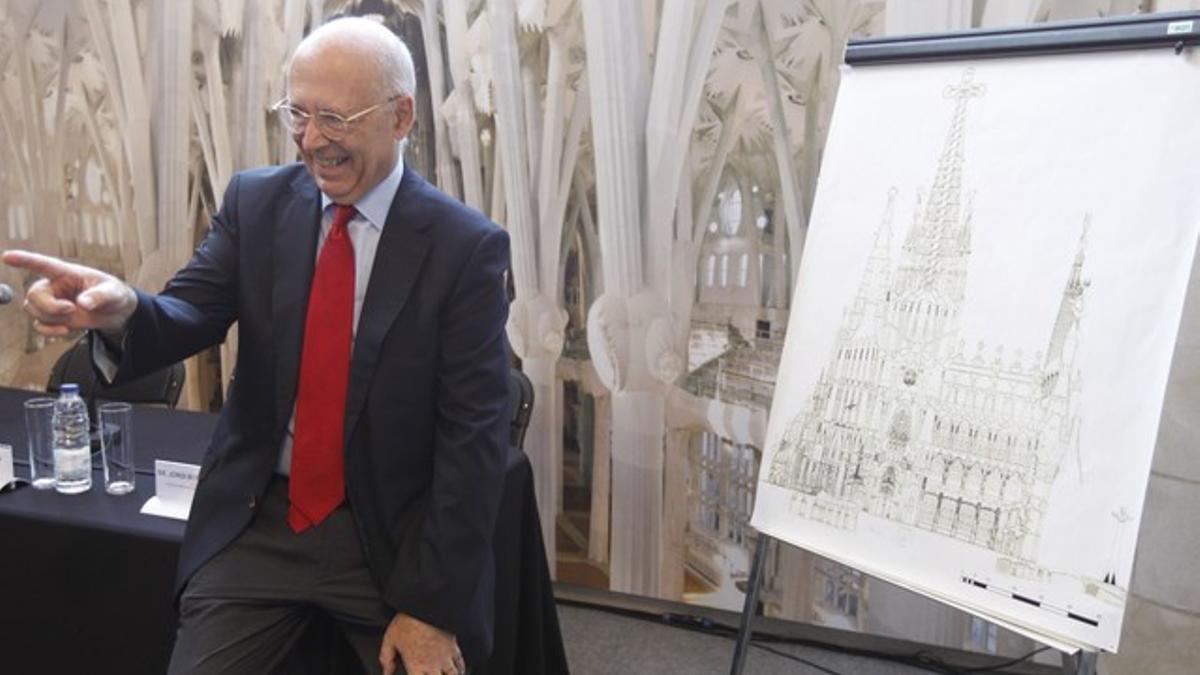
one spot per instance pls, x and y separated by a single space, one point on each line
87 581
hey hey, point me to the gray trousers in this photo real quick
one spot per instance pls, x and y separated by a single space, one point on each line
245 609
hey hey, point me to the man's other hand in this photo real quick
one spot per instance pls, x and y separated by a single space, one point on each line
423 649
72 297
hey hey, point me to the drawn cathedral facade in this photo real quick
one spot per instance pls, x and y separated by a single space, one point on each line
904 424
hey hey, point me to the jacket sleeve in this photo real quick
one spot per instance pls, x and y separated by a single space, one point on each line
471 441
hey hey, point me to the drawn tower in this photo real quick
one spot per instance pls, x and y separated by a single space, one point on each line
902 424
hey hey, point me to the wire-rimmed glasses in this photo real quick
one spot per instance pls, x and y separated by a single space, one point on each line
332 125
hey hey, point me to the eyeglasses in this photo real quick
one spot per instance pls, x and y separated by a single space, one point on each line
330 124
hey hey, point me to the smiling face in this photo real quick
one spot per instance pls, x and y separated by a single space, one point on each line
341 75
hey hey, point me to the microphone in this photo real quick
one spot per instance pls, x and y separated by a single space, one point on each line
6 294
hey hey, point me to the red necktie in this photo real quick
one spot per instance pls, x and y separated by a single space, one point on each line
317 486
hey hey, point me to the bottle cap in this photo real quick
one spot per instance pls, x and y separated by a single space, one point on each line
68 388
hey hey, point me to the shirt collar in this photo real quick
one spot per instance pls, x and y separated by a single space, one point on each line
375 204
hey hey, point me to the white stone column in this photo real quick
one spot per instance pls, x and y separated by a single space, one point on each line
789 194
630 330
675 514
172 128
221 168
447 176
617 71
618 75
465 127
536 322
601 483
252 97
631 343
637 466
115 36
535 331
520 218
683 54
546 423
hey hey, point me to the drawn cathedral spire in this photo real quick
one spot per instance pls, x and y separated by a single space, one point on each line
941 221
1064 337
931 280
902 425
869 304
942 211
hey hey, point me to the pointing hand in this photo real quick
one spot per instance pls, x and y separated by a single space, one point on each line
72 297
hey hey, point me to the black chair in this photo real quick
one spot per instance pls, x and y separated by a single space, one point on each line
520 394
75 365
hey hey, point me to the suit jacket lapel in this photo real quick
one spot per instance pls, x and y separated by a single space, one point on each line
293 259
402 248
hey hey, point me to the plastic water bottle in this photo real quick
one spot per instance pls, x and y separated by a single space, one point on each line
72 446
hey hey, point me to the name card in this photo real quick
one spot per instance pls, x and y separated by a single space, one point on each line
174 487
6 464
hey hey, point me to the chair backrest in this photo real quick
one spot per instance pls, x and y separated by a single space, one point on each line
75 365
520 393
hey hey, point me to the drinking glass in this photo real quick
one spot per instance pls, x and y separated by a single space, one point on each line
116 445
39 430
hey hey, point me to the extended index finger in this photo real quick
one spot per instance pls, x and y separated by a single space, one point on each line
36 262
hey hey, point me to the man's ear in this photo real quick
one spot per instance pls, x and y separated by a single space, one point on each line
405 116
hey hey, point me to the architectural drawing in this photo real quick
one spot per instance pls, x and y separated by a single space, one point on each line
905 423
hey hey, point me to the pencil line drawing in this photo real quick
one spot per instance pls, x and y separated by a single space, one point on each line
905 424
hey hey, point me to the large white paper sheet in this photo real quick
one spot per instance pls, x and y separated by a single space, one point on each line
984 320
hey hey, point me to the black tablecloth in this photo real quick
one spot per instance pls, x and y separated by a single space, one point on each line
86 580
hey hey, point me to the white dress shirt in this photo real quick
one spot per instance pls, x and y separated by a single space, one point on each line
364 229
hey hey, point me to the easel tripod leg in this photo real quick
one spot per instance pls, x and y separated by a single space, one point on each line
754 583
1080 663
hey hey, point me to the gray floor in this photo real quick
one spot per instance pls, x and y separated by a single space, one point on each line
601 643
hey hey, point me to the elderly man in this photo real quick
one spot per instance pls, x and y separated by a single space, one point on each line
357 464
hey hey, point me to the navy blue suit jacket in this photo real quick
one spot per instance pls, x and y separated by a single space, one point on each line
427 409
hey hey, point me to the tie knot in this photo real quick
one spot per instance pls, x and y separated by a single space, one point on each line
342 213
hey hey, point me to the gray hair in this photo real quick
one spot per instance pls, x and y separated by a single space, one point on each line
392 58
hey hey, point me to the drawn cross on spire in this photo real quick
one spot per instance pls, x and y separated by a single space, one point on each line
966 89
